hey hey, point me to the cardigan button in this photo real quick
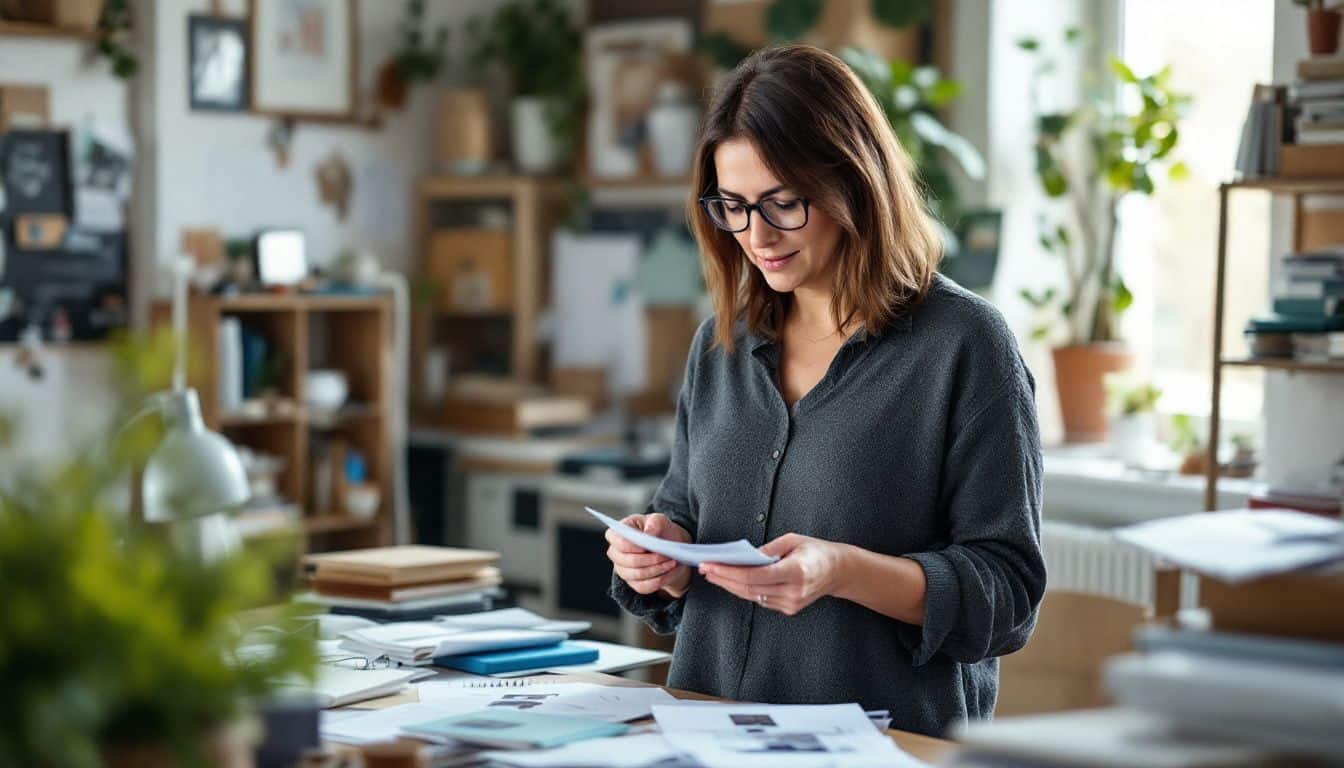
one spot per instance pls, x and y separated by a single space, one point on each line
774 454
760 518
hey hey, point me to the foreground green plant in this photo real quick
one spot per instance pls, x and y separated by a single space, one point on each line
109 635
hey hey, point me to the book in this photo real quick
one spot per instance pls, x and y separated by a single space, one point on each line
1322 137
1275 323
514 729
485 577
1321 68
1305 90
398 566
496 662
338 686
1307 307
1309 288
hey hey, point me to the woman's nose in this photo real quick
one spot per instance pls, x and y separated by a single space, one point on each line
761 233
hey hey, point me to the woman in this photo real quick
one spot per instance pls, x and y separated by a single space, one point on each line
846 409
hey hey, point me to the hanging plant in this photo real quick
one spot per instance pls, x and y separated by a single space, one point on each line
114 34
419 59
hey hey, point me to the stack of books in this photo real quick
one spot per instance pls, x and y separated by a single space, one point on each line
449 640
1254 677
394 582
1308 315
1318 99
1261 134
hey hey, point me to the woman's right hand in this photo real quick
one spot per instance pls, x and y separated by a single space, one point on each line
648 572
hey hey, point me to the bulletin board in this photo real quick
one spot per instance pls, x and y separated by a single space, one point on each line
63 260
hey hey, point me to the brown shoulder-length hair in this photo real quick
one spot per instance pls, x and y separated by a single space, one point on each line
820 131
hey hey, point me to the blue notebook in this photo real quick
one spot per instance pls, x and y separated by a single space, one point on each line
514 729
514 659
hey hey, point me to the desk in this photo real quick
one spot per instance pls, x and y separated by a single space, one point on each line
925 748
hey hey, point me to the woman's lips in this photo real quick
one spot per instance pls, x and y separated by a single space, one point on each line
774 265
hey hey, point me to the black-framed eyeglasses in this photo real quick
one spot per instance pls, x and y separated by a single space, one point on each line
733 215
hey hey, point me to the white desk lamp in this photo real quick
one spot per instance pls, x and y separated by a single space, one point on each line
194 479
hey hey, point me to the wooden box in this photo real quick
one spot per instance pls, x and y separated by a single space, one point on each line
1311 161
1299 605
473 269
23 106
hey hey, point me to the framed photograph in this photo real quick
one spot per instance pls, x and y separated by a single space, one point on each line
304 55
217 79
625 63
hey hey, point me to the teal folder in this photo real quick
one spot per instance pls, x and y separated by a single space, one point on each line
513 729
514 659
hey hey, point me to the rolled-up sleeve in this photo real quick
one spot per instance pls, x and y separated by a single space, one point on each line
984 587
672 498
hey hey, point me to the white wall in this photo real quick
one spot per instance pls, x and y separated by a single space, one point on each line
217 170
65 405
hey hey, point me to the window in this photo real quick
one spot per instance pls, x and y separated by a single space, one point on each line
1167 243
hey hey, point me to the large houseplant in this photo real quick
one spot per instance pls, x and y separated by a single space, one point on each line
539 45
115 647
1120 140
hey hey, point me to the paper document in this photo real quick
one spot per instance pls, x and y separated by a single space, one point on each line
1237 545
739 552
632 751
612 703
785 735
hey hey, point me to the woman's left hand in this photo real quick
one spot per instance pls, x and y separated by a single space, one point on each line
808 569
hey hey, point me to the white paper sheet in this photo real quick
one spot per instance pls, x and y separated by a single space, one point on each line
739 552
631 751
1236 545
788 736
375 725
615 704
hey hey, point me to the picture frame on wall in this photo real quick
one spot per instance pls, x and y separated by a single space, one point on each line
304 58
217 78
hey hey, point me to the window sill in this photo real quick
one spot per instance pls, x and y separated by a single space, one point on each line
1083 484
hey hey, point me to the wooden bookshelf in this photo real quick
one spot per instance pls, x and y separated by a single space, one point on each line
48 31
1297 188
349 333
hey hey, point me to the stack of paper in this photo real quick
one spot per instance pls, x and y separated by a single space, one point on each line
418 643
338 686
732 735
1237 545
401 578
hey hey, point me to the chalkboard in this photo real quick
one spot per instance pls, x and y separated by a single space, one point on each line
36 172
79 288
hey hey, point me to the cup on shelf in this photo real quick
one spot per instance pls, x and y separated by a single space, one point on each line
361 500
326 389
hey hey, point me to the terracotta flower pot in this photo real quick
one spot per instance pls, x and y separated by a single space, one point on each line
1079 372
1323 31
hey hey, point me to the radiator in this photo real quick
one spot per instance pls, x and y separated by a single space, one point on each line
1083 559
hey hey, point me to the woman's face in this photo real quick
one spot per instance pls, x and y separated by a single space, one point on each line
789 260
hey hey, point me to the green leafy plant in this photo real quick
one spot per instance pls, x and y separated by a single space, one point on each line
1128 128
539 45
114 34
110 635
420 59
911 97
1185 438
1127 397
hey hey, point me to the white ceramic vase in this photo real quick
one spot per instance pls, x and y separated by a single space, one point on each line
673 121
535 149
1133 437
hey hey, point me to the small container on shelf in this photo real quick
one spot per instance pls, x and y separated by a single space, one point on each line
1269 343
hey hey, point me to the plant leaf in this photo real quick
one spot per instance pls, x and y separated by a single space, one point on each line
961 150
787 20
902 13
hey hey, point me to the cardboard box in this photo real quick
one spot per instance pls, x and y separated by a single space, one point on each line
1298 605
473 268
24 106
1060 667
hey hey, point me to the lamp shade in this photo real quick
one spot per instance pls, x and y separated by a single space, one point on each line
193 472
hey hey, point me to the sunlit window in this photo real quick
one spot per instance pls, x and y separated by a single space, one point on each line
1168 242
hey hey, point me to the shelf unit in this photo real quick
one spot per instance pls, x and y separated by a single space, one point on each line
535 206
1297 188
34 29
349 333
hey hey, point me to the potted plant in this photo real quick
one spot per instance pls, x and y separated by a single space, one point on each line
416 60
540 47
1132 406
1088 158
116 647
1322 27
